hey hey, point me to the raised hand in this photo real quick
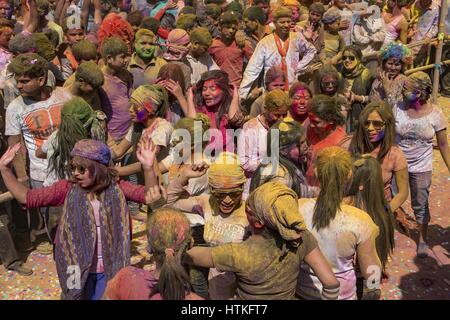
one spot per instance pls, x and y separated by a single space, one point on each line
9 155
173 87
194 170
146 152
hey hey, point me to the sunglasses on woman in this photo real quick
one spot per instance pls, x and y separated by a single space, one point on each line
79 168
377 124
351 58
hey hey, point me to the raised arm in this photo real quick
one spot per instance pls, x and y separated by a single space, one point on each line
17 189
175 89
31 17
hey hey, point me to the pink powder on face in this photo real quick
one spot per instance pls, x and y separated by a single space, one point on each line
212 93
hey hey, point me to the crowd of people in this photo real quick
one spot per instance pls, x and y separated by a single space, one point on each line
268 145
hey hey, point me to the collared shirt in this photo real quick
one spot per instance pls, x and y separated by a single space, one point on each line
266 55
145 74
199 66
230 58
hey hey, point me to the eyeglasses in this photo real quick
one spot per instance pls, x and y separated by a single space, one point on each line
330 84
351 58
377 124
78 168
222 195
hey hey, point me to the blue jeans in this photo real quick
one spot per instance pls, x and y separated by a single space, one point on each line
95 286
419 185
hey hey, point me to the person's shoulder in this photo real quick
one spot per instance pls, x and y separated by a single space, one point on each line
356 216
16 105
132 274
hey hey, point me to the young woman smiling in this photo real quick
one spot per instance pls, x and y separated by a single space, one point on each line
375 135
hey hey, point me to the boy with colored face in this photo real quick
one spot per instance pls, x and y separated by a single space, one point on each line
144 64
200 61
227 52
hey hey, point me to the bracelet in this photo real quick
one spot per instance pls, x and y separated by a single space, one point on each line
146 168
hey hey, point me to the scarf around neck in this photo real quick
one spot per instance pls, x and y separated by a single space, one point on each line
282 50
76 238
354 73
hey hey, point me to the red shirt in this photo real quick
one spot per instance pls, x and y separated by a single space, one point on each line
230 58
334 139
132 283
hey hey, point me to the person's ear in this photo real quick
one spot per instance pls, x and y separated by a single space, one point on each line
258 225
41 81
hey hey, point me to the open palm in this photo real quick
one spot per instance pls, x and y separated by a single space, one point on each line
9 155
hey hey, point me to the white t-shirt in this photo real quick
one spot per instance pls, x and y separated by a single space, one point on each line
338 243
49 148
35 121
415 136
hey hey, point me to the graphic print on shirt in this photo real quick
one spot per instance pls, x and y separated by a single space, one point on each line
41 123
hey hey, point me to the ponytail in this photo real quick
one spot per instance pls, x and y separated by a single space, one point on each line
173 280
333 167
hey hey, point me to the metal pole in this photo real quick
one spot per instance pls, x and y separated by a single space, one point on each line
439 47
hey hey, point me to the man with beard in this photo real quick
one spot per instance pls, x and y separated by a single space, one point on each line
254 25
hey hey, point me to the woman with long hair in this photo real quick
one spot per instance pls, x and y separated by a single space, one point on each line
366 192
417 122
94 232
395 57
342 231
171 77
358 82
78 121
215 97
169 237
375 135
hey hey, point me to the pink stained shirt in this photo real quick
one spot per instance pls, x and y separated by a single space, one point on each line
131 283
230 58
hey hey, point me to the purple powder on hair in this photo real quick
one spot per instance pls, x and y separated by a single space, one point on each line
141 115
